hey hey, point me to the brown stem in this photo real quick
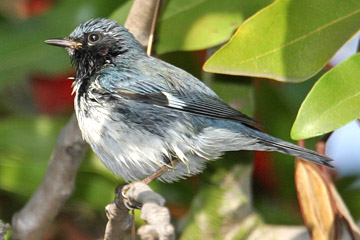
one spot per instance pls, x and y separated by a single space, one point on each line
153 25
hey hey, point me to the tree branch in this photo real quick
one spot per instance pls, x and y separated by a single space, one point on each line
57 186
119 224
152 211
140 19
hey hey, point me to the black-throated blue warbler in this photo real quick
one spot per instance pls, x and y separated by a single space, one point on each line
139 113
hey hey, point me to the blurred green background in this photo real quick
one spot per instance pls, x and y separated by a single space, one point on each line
36 101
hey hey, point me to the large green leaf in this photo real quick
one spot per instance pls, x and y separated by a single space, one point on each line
289 40
199 24
22 47
333 101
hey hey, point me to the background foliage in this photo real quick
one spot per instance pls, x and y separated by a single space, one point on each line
287 40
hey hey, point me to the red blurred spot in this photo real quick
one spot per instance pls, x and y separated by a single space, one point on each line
52 95
37 7
264 171
200 57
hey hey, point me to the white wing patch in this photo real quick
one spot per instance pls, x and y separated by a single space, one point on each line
174 101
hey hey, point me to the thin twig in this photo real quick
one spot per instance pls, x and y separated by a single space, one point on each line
153 25
133 226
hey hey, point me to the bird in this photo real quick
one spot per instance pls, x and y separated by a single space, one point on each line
139 113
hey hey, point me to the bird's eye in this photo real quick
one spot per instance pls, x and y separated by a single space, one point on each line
93 37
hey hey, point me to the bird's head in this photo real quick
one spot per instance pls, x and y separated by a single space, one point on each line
97 42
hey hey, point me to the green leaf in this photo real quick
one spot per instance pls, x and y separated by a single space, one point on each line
289 40
198 24
333 101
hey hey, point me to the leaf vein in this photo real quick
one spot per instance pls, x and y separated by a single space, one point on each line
302 37
338 104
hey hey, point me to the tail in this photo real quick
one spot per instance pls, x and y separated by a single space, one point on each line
279 145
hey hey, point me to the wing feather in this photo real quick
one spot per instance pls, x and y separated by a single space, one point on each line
206 106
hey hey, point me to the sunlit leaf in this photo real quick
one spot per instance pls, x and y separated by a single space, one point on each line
199 24
289 40
333 101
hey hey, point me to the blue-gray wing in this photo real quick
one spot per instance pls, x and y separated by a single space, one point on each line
194 97
208 107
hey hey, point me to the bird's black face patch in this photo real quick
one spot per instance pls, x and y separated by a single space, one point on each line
97 44
96 50
101 42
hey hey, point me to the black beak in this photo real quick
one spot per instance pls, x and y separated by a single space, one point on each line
63 42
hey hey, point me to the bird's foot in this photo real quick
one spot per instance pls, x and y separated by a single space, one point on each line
121 197
125 189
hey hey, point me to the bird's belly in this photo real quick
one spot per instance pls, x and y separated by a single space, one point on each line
131 153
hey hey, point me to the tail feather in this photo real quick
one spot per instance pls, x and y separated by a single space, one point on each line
296 151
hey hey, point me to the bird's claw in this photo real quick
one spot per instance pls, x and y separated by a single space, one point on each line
126 200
